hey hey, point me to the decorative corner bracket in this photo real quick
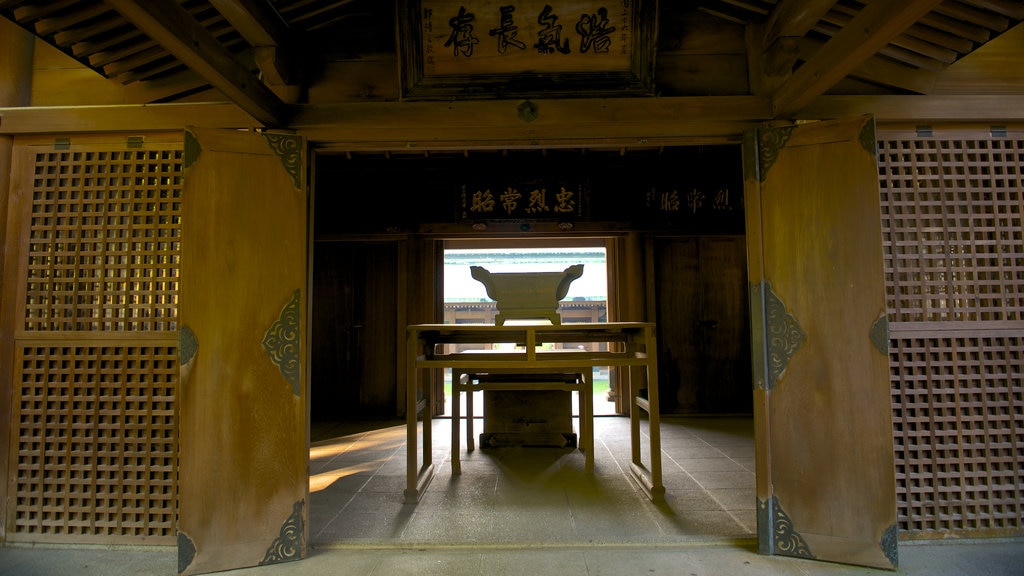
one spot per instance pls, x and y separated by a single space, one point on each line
281 342
867 138
770 142
890 545
879 334
787 541
188 345
289 150
192 149
186 552
288 545
784 335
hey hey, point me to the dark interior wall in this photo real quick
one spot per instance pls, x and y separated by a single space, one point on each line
678 190
677 195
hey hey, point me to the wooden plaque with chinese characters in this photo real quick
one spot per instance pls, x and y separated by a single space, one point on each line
483 49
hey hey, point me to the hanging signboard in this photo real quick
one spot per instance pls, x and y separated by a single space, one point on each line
522 48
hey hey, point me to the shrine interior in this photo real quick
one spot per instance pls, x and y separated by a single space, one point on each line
228 331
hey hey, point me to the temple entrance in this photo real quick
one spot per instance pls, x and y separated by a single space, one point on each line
652 253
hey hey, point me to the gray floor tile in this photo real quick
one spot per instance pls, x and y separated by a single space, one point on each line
528 512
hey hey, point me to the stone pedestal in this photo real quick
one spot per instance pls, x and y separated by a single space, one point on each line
528 418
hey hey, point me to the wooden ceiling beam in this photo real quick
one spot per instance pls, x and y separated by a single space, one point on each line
52 25
871 30
424 124
923 109
925 33
176 30
264 28
121 118
256 20
1009 8
786 25
964 13
793 18
883 71
168 88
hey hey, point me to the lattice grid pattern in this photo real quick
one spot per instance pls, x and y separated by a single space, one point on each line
96 441
953 220
104 244
94 432
953 226
959 430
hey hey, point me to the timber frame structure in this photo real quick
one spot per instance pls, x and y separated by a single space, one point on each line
100 87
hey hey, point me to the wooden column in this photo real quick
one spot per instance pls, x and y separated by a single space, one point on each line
629 303
16 49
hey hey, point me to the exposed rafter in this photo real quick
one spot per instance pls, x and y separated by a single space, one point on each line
261 25
176 30
871 30
786 25
276 58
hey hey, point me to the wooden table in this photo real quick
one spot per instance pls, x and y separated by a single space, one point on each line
632 345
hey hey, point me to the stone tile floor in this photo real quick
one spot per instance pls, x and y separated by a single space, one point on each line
532 512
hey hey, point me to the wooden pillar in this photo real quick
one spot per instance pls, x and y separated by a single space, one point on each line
421 272
630 280
628 289
16 50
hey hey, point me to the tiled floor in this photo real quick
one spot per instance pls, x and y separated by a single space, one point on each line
535 496
532 512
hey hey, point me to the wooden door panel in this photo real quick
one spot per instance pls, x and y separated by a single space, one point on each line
243 488
703 327
826 484
724 327
355 342
678 298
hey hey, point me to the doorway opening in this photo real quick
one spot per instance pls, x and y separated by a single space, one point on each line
356 465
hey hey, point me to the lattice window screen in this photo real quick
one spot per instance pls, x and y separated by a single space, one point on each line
105 241
953 219
96 350
953 222
96 441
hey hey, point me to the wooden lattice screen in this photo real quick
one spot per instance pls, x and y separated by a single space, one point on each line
94 435
953 225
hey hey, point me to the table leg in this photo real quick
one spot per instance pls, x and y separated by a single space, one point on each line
417 477
587 419
457 387
470 401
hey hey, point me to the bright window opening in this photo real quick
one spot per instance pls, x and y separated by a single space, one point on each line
466 300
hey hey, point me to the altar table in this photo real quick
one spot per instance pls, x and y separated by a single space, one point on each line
632 345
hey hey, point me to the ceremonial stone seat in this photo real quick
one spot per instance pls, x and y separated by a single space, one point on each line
525 407
527 295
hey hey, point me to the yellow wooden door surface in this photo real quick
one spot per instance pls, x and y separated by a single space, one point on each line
243 484
822 407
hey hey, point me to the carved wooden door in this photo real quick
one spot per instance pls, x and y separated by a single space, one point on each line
822 408
243 481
